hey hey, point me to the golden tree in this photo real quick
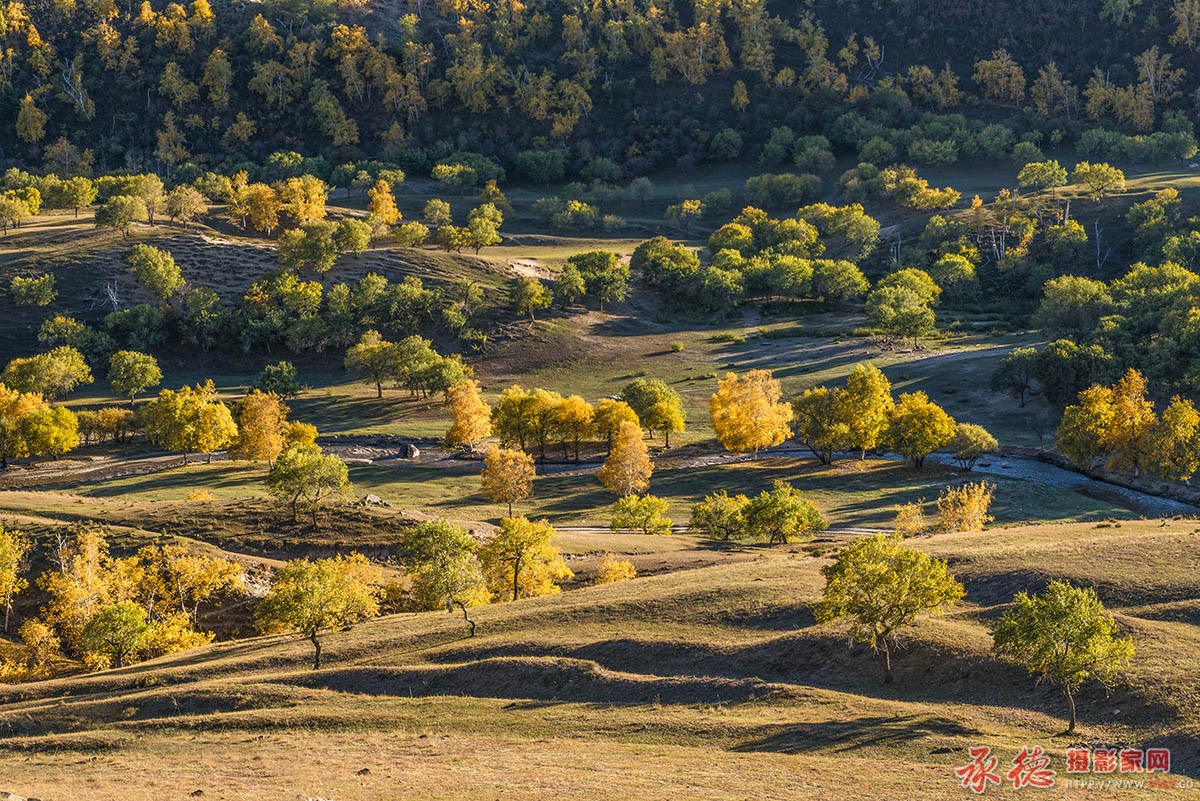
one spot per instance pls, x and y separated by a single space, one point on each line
627 469
14 547
382 204
747 413
507 476
521 559
262 423
471 416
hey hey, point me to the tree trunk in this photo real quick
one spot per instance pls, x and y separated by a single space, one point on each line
516 579
1070 711
317 650
886 654
7 609
510 508
378 389
466 617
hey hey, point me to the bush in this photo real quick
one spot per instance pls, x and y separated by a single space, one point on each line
612 570
36 291
965 508
784 189
910 520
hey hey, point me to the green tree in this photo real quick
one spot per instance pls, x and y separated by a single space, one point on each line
1042 175
120 212
156 270
1064 635
351 236
970 443
822 421
115 635
1099 178
900 313
79 193
375 359
657 406
52 374
1073 303
720 516
483 226
530 295
643 513
782 514
1014 374
279 379
315 596
303 474
443 560
131 373
881 586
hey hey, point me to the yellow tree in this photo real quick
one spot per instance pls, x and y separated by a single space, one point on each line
311 597
747 413
867 404
918 427
189 419
14 547
261 205
521 559
1174 443
507 476
30 427
262 423
609 416
573 418
470 415
382 204
78 586
627 469
304 199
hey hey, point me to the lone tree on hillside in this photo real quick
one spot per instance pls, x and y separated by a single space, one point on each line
302 473
1064 635
311 597
521 557
443 560
881 586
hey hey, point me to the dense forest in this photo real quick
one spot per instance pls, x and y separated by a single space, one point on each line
100 85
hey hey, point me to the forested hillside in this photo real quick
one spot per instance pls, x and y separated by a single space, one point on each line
100 85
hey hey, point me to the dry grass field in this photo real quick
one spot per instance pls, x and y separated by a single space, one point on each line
711 682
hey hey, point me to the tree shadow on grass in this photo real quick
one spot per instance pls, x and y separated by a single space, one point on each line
852 735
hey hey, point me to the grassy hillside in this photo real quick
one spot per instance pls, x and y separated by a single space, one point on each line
710 682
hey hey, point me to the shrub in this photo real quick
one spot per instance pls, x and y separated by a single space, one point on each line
612 570
36 291
910 520
965 507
